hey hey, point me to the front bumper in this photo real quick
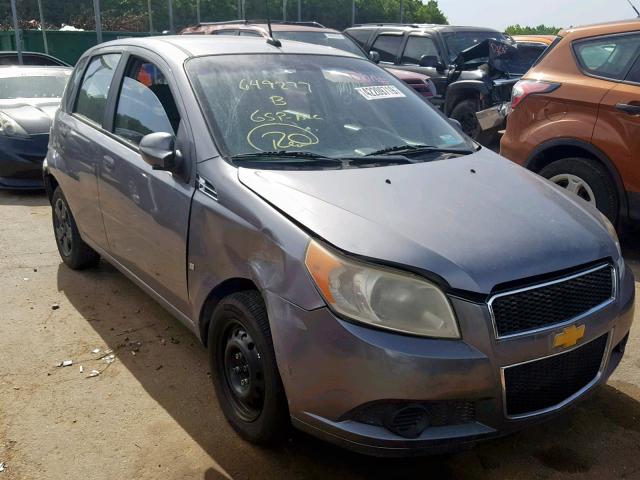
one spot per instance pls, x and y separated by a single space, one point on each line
21 161
331 368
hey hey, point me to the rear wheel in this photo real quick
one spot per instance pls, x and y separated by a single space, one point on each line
465 113
588 180
74 251
244 370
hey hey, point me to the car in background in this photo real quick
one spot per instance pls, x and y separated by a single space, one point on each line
473 68
355 264
308 32
533 46
29 98
575 117
30 58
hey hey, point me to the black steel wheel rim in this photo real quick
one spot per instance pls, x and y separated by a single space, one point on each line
243 372
62 227
469 123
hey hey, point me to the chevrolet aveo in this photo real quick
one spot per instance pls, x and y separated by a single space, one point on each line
355 265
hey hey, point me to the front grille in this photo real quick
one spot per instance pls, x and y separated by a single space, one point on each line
552 303
545 383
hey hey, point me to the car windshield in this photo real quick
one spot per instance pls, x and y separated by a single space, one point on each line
33 85
326 106
329 39
459 41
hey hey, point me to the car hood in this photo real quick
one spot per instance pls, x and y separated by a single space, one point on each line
33 114
407 74
475 221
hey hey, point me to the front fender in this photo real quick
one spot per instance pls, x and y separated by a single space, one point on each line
240 236
461 89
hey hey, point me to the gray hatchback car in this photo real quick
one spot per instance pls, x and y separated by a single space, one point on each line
355 265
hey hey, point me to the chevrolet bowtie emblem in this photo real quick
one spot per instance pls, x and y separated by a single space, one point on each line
569 336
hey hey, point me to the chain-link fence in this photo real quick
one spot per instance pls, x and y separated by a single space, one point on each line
144 17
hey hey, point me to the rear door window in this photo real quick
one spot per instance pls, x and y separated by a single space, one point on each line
417 47
146 104
387 46
634 74
609 57
92 98
360 36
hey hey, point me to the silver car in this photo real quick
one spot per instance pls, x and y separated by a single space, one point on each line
355 265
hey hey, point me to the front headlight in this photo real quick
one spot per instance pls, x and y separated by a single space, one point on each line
381 297
10 128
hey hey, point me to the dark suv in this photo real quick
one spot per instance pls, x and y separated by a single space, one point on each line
467 65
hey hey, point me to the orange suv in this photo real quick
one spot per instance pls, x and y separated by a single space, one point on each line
575 117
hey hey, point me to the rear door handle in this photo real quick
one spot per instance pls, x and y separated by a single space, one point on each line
108 162
628 108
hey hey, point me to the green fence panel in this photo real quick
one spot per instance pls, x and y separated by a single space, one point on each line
67 46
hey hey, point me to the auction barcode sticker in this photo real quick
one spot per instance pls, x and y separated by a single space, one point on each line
378 92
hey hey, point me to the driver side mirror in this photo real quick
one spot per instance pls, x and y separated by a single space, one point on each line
374 56
158 150
432 61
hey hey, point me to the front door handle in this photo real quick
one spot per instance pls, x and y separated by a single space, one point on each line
108 162
629 109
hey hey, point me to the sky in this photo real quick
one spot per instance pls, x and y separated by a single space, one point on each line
561 13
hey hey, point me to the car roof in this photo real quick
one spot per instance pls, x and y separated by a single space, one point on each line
259 25
15 52
596 29
8 71
199 45
424 26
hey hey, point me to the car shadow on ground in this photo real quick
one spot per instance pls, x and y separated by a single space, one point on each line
29 198
172 367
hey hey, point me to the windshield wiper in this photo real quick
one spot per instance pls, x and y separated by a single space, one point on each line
296 158
404 149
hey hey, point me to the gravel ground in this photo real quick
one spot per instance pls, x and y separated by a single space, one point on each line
152 413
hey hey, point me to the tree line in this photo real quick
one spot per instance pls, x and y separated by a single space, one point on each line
132 15
539 30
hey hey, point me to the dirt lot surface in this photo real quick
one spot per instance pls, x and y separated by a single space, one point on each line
152 414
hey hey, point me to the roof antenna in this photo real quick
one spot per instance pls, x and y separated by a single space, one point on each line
271 41
634 8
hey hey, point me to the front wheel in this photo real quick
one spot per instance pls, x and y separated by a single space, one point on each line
588 180
244 370
465 113
75 253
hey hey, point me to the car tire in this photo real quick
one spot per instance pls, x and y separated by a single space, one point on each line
465 113
244 370
589 180
75 253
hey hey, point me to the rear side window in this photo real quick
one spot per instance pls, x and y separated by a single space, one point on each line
609 57
92 98
146 104
417 47
360 36
387 46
